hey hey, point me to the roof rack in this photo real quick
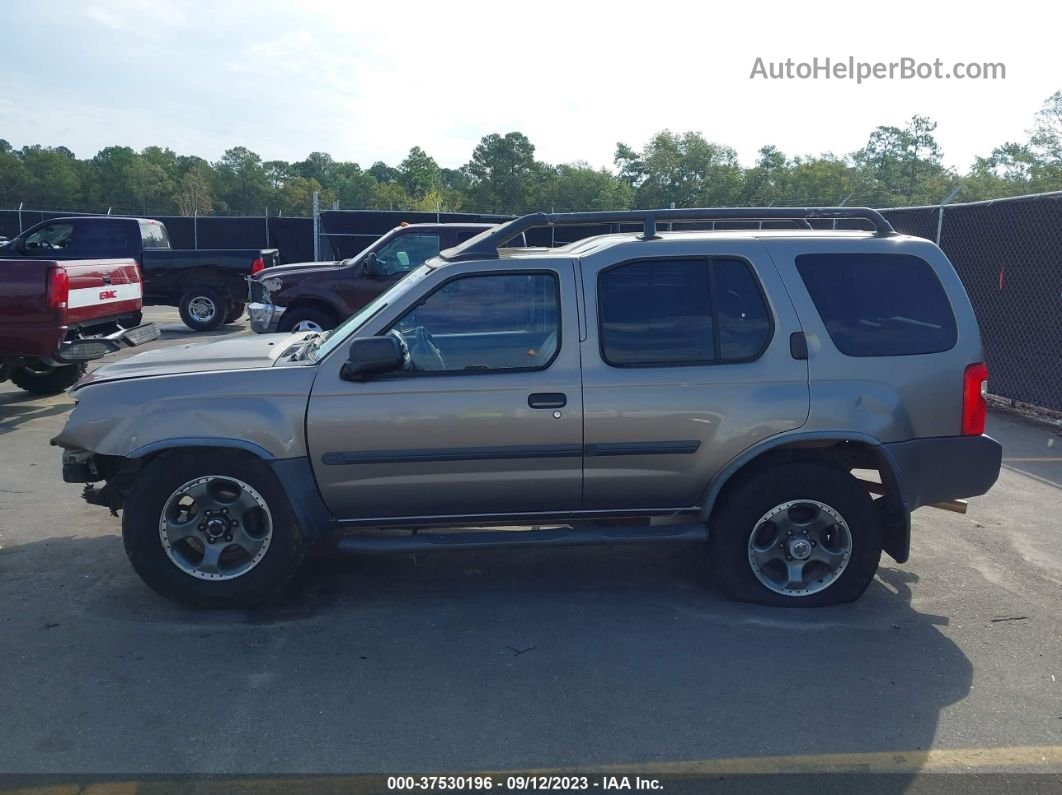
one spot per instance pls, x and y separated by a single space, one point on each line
486 244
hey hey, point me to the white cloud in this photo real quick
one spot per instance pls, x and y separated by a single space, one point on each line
145 17
366 82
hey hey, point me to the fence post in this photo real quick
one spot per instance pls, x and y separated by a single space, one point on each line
940 211
267 227
20 218
195 228
316 226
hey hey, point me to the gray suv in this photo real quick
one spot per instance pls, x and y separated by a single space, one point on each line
788 396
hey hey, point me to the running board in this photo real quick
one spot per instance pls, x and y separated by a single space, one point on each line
364 544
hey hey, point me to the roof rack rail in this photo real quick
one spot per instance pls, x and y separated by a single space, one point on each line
486 244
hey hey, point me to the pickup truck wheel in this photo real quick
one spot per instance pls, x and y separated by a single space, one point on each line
47 379
307 319
203 309
236 309
211 529
798 535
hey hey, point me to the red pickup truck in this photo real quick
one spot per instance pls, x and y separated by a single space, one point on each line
57 315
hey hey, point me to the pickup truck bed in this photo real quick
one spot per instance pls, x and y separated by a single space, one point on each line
207 285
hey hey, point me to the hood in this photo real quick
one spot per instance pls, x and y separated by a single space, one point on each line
296 267
241 353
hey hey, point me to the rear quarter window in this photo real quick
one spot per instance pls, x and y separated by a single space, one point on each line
879 304
154 236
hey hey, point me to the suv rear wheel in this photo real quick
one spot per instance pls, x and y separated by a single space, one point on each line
798 535
211 529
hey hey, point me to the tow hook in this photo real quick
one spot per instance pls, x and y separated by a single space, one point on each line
108 497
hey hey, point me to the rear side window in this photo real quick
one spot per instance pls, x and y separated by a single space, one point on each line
879 304
154 236
681 312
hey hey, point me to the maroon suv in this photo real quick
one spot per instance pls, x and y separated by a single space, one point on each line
317 296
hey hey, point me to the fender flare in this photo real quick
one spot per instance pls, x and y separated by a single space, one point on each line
160 445
898 536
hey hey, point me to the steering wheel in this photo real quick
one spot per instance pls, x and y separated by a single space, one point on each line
421 351
403 345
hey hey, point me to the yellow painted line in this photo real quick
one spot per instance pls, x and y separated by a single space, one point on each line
1037 757
1045 459
936 759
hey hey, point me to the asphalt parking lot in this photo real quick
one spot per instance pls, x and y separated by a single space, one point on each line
520 660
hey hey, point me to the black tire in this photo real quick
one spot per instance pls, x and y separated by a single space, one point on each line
733 523
323 318
236 310
143 544
194 302
47 381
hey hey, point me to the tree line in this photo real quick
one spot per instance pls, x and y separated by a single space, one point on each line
897 166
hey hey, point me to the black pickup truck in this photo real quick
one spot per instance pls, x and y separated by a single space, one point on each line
207 285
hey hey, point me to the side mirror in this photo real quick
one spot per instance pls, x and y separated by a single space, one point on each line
372 266
373 356
18 245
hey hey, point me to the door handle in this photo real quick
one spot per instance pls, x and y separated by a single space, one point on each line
547 400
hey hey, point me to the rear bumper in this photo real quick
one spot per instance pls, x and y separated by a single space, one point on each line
945 468
88 348
264 317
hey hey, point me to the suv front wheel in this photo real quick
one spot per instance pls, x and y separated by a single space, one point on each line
797 535
211 529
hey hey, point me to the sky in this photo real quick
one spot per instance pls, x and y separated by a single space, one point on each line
368 81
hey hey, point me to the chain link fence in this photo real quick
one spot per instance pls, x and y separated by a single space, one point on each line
1008 253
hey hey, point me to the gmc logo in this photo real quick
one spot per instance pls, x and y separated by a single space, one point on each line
108 294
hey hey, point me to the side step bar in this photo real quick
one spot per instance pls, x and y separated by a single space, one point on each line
365 544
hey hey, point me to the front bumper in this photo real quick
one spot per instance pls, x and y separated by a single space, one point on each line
265 317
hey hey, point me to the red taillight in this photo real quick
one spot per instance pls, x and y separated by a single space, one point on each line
974 405
58 288
257 265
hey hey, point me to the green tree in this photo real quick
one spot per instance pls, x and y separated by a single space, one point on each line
14 178
419 173
391 196
382 172
108 169
242 187
149 186
296 196
195 193
354 188
577 186
1046 136
904 164
500 173
317 166
687 171
53 180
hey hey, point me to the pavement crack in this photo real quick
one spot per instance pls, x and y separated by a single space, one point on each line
1009 618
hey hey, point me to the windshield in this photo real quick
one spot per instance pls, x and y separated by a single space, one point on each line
374 246
329 341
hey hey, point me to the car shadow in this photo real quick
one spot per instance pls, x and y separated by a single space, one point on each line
504 660
17 408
